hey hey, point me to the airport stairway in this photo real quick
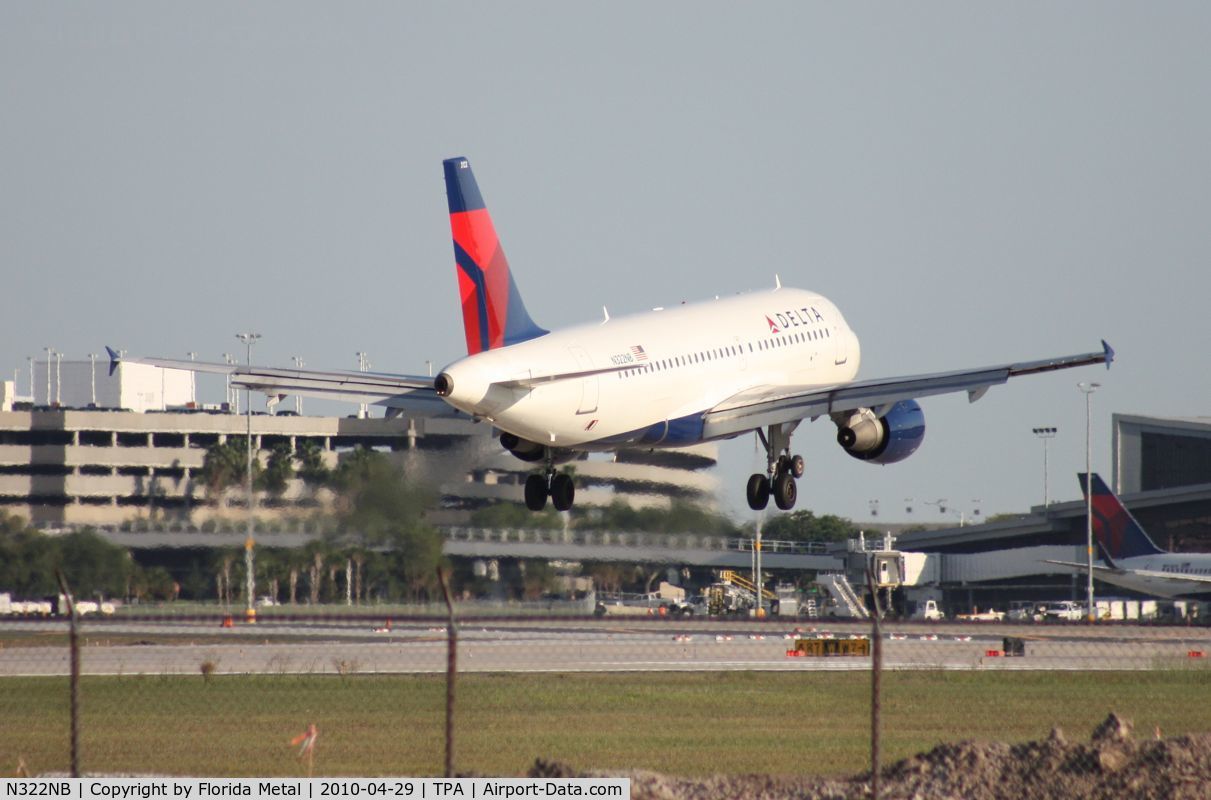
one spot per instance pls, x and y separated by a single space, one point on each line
843 595
730 576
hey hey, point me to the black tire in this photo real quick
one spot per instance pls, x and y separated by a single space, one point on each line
797 466
757 491
785 491
563 492
536 492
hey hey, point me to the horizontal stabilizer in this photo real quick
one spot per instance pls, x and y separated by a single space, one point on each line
411 393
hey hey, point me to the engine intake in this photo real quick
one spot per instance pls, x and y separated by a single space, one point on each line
882 440
522 448
443 384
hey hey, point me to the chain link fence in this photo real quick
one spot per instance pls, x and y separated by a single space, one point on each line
202 692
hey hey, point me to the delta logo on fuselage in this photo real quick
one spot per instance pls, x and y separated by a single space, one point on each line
808 315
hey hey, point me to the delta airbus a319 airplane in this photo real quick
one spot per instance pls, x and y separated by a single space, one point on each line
665 378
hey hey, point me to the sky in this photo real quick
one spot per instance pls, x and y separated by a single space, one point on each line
972 184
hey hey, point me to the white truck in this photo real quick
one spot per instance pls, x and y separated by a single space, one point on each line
928 610
1063 611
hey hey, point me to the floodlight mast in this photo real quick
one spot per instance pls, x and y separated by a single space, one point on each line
249 339
1088 388
1046 434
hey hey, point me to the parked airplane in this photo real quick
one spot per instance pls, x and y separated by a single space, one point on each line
1132 559
665 378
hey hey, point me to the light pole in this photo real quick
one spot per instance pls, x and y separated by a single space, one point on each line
1046 434
1088 388
760 610
58 379
92 360
231 403
975 512
193 382
50 352
298 398
249 339
32 399
940 503
363 365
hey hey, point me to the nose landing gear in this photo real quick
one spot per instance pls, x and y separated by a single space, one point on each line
783 470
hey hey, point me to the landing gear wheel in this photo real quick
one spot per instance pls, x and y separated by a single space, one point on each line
785 492
797 466
536 492
758 491
563 492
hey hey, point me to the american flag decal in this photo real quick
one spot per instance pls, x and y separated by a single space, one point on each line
639 353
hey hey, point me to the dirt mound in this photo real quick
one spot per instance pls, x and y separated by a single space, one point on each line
1113 765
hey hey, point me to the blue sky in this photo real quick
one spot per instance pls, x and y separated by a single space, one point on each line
971 183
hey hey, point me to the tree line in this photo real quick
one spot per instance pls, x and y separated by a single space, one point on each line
377 546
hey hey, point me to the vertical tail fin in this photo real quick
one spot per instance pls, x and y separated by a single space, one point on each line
493 312
1119 534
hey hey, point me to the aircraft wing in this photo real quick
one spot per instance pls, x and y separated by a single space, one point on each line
411 393
1096 568
1154 574
762 406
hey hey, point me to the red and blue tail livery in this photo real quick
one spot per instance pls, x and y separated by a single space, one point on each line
1119 534
493 312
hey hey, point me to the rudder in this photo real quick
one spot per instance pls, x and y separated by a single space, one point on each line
1119 533
493 312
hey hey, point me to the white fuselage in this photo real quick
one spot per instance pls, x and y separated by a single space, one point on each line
1140 574
647 371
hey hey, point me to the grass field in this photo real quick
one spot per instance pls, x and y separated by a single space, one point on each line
688 724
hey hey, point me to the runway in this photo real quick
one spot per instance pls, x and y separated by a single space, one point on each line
359 646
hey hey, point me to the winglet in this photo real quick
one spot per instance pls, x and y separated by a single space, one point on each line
1109 351
114 359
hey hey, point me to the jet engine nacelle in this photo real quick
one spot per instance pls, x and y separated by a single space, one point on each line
522 448
882 440
533 451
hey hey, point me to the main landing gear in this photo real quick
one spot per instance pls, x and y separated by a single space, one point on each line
556 485
783 470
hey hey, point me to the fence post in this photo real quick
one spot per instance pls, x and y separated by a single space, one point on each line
74 647
876 671
451 670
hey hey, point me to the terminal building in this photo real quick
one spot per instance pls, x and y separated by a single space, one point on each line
90 448
1161 471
